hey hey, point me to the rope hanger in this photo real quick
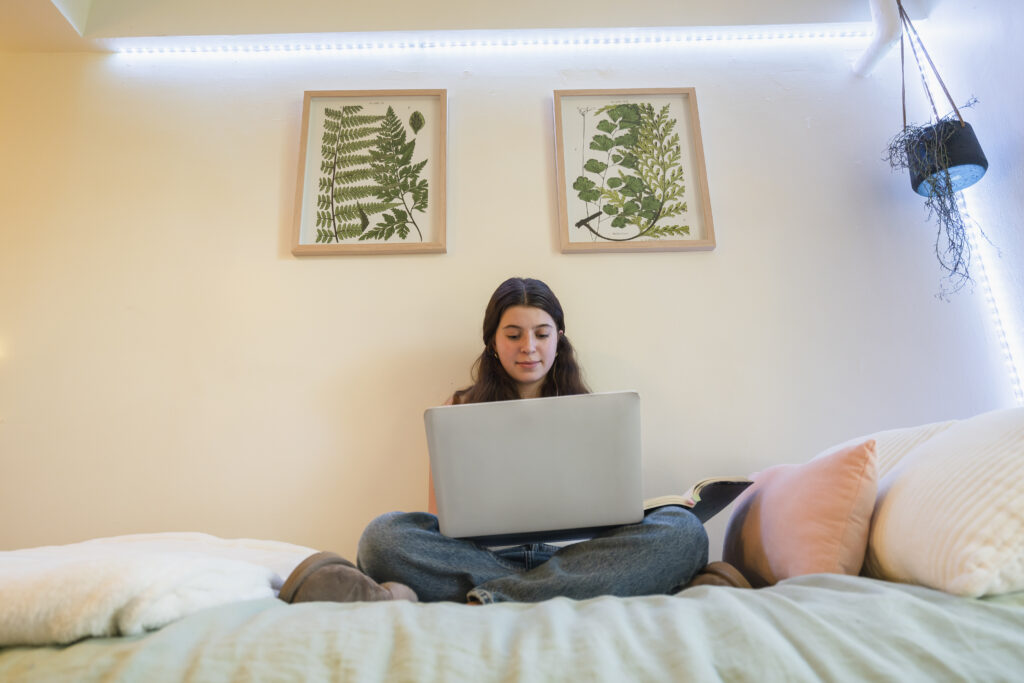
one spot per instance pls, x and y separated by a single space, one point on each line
915 37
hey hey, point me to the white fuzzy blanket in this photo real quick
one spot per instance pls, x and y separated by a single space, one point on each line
126 585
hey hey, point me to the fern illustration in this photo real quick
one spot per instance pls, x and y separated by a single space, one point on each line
396 178
347 195
636 178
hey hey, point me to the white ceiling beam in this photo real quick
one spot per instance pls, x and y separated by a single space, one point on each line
76 12
888 28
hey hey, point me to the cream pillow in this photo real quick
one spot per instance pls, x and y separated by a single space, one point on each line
892 444
950 513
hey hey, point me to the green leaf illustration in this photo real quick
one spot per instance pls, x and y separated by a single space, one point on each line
601 143
586 189
416 121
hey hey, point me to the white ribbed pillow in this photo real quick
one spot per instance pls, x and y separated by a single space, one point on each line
892 444
950 513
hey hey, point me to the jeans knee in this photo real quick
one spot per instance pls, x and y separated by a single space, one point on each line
387 537
378 539
684 533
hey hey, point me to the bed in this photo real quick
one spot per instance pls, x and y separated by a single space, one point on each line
926 583
810 628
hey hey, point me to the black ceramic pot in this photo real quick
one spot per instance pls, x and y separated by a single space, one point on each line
967 163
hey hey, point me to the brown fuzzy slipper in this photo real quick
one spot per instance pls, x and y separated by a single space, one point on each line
328 577
719 574
304 569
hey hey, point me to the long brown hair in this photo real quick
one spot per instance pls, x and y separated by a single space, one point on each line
490 380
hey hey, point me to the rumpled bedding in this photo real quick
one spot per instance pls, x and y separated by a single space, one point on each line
823 627
127 585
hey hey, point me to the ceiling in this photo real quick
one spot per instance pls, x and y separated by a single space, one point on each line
96 25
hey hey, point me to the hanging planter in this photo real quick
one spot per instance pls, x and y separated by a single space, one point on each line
948 147
942 158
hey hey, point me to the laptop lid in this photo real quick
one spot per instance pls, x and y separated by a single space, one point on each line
534 470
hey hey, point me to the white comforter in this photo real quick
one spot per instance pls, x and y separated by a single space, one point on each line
129 584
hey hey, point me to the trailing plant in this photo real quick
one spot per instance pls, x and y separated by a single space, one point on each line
927 152
397 179
920 147
346 193
636 178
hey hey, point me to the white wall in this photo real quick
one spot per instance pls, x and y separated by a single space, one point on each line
166 364
977 48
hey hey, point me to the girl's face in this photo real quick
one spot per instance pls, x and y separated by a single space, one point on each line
525 342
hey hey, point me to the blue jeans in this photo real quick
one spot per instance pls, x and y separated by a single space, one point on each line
655 556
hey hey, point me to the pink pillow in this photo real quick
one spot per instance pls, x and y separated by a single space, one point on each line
805 519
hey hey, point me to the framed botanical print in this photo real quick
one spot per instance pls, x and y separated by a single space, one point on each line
630 171
371 173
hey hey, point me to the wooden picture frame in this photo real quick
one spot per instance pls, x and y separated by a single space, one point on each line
371 172
630 171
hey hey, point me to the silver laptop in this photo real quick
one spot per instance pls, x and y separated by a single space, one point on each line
536 470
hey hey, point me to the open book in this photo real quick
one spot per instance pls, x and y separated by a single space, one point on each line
706 498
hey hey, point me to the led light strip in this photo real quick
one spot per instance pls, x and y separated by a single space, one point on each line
456 40
973 233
